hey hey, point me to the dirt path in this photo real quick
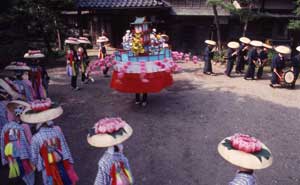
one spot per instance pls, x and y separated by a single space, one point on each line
176 135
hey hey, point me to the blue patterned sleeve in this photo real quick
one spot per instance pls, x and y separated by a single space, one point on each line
65 148
4 162
34 148
102 177
25 152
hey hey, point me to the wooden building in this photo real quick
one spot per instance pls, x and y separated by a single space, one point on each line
187 22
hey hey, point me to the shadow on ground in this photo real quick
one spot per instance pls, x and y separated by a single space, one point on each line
175 137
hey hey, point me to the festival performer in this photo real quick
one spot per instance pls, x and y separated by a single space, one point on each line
113 167
72 62
127 40
23 86
102 53
278 64
38 74
242 55
253 59
49 150
231 56
164 38
154 40
15 145
248 154
83 58
140 71
296 67
263 60
3 112
208 56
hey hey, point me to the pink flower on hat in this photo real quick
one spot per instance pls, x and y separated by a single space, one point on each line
246 143
109 125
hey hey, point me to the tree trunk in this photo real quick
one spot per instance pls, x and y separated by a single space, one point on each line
58 36
217 22
247 19
245 27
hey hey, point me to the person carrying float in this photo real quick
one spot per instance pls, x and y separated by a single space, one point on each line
278 64
263 60
208 56
242 55
73 63
83 58
15 145
253 59
248 154
38 74
113 167
103 53
49 150
140 71
231 56
296 67
23 86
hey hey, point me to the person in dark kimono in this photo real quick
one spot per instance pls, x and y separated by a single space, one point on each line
102 55
242 55
208 56
263 60
252 59
278 64
231 56
296 67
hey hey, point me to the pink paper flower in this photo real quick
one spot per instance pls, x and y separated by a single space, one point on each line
246 143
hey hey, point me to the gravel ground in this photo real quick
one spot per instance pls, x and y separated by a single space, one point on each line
175 137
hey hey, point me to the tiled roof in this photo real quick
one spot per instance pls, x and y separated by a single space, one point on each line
107 4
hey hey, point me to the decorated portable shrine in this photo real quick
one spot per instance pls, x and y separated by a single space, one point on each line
145 64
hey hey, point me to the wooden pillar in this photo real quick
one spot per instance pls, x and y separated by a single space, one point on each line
79 21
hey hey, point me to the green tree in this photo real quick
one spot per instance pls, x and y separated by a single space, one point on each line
227 5
39 18
295 23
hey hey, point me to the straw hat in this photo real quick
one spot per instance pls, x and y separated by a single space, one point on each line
211 42
34 54
17 66
245 40
253 161
8 89
283 50
256 43
298 48
12 105
84 40
71 40
36 117
267 46
233 45
102 136
102 39
165 37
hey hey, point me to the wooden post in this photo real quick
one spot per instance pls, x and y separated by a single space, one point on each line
79 20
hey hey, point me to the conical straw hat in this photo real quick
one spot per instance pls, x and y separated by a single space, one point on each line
283 50
253 161
233 45
211 42
245 40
